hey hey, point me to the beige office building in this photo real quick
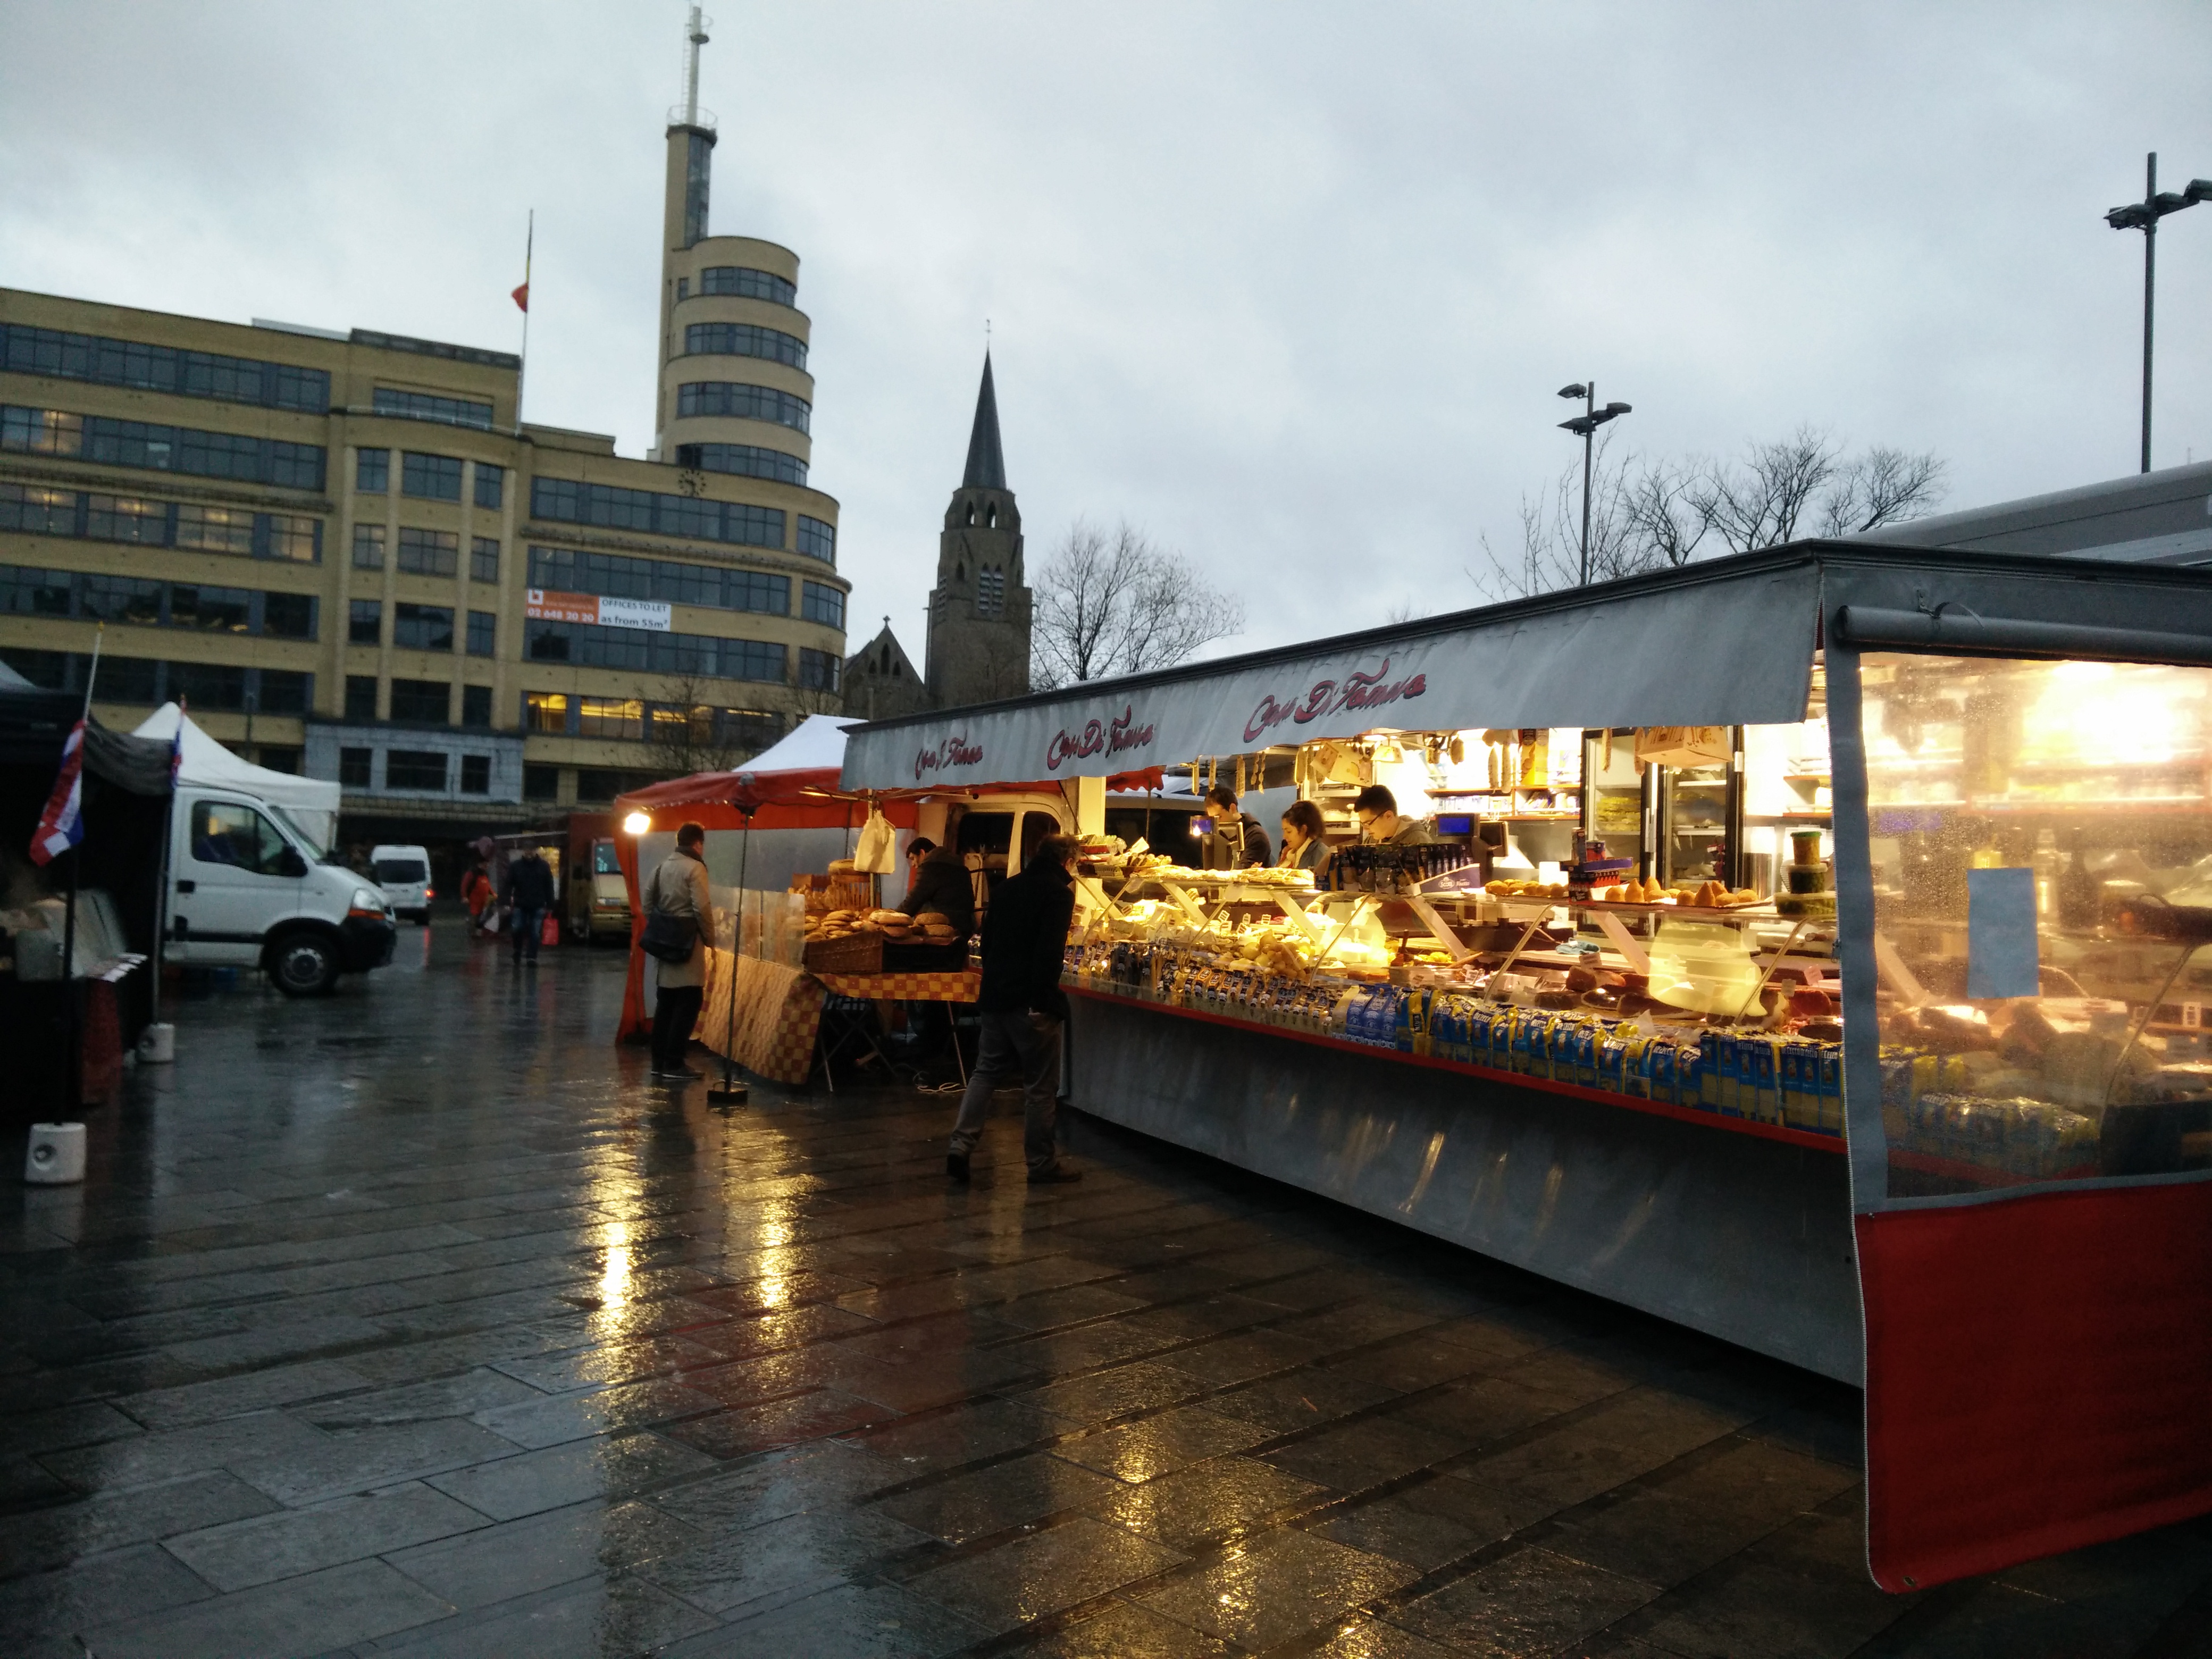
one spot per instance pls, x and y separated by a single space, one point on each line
345 553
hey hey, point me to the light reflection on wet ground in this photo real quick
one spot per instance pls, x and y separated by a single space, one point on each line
413 1321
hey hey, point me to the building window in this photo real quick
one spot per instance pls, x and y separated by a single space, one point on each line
698 162
617 508
818 670
483 559
491 485
990 592
280 757
365 623
597 784
476 707
426 406
616 576
372 470
587 647
102 598
125 518
683 288
429 552
820 603
163 368
432 477
604 717
284 536
369 547
283 692
162 448
211 610
483 632
422 628
545 712
288 616
203 529
426 702
740 401
208 685
475 775
745 461
745 340
818 539
360 697
748 283
128 679
415 769
541 783
38 511
354 766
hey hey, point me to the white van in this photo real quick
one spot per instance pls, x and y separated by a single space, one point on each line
249 888
403 873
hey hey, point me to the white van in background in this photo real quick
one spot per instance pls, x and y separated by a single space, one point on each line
404 873
250 888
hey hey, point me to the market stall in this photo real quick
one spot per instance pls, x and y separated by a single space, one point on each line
77 935
1801 946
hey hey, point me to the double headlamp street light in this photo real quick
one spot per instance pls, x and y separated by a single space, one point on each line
1585 426
2144 216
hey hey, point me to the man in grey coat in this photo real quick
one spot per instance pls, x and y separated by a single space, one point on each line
679 888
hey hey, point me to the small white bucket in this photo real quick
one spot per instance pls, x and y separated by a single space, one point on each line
157 1043
55 1157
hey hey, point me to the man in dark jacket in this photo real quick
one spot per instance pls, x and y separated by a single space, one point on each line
940 883
1237 841
529 896
1023 1009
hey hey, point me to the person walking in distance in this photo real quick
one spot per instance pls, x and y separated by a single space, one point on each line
679 888
1023 1009
529 898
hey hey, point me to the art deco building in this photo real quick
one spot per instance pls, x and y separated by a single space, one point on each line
328 542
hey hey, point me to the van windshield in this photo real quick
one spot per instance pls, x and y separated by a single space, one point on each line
316 850
400 872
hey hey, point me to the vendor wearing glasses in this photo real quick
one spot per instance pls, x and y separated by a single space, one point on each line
1377 809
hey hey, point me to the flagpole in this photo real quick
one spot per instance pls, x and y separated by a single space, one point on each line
529 247
73 1062
161 903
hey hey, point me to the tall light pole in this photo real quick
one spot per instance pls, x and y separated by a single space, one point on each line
1585 426
2144 216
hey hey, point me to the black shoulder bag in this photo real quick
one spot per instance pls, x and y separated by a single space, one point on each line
668 937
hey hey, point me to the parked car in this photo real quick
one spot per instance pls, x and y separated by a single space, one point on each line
248 887
403 873
599 902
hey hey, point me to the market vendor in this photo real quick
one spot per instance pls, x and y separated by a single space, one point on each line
1305 840
1377 809
939 881
1237 841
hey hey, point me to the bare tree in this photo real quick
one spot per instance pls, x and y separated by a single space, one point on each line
688 731
1656 515
1115 603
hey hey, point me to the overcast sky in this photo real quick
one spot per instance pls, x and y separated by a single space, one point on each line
1290 286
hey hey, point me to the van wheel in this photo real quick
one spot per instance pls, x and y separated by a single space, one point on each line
304 966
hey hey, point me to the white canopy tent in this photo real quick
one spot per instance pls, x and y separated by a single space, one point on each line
312 803
817 740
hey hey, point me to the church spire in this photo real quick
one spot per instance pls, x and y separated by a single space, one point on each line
987 466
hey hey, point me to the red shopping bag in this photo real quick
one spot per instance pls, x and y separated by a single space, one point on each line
550 932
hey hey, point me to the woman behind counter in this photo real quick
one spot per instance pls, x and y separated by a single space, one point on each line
1303 846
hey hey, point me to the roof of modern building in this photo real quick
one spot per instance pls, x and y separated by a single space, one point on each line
2157 517
986 463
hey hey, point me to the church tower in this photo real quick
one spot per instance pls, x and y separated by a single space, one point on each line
979 611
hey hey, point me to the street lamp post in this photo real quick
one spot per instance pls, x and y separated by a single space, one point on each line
2144 216
1585 426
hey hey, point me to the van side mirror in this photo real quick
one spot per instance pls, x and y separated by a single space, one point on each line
289 863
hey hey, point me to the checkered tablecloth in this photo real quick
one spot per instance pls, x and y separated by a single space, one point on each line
776 1013
945 986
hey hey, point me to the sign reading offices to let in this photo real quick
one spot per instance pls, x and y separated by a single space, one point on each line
653 615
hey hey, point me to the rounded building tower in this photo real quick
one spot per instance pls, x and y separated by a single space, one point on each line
734 394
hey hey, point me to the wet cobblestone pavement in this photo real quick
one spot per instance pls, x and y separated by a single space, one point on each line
415 1323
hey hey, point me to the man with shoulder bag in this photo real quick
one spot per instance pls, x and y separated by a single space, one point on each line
679 919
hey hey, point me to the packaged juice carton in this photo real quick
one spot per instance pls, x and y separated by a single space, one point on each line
1831 1062
1588 1037
1612 1064
1708 1072
1763 1087
1689 1078
1523 1032
1666 1065
1501 1038
1636 1064
1409 1023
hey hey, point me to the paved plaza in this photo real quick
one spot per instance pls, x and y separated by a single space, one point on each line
414 1322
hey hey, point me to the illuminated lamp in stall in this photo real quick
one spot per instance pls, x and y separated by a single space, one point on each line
637 824
1702 967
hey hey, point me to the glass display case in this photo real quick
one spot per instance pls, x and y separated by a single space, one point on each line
2041 845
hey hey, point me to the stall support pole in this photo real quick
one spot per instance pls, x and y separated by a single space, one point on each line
731 1092
73 1071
